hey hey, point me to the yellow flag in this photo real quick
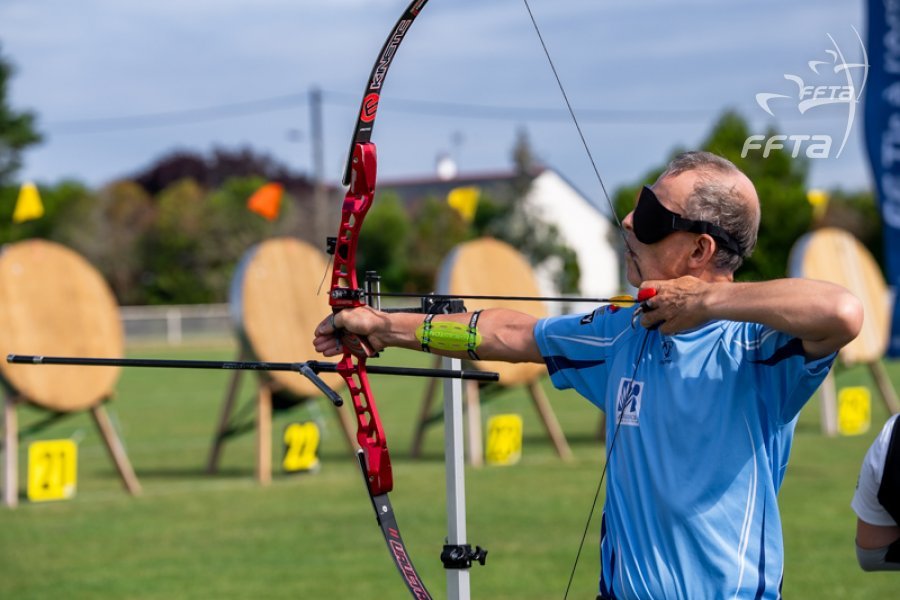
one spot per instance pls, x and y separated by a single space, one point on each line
819 201
28 205
464 200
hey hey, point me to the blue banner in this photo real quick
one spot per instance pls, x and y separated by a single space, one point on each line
882 128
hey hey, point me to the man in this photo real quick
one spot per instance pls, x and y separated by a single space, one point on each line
877 502
702 399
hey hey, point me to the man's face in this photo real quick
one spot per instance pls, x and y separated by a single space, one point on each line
667 258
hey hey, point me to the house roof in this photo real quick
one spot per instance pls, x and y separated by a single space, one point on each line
412 191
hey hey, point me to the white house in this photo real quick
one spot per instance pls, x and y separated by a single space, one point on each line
586 229
583 225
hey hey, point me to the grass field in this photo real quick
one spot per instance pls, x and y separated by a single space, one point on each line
192 535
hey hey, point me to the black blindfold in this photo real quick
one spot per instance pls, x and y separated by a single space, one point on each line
653 222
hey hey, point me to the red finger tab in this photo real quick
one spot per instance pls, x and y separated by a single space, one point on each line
646 294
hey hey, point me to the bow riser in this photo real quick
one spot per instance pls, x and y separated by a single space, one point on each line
344 285
369 433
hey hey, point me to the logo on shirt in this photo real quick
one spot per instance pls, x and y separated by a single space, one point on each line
587 319
667 347
628 402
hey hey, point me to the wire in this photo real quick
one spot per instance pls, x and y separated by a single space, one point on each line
185 116
248 108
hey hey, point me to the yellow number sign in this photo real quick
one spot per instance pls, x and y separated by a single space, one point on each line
52 470
504 441
854 410
301 447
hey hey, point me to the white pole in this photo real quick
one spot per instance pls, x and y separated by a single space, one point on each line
173 326
457 579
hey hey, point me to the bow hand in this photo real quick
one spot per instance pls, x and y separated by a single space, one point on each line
357 345
359 331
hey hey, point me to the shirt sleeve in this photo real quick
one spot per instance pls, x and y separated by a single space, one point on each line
865 500
787 378
577 350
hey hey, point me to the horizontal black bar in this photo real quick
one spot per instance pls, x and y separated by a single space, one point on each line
316 366
619 300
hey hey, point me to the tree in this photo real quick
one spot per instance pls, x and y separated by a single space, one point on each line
66 207
17 129
385 247
437 229
172 256
780 181
111 234
213 171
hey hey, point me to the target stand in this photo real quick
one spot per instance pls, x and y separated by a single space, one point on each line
834 255
52 301
275 308
490 267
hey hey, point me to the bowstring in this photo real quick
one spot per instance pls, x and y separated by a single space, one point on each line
609 452
584 143
615 216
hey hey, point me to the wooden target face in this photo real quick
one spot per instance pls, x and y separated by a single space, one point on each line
276 307
490 267
53 302
834 255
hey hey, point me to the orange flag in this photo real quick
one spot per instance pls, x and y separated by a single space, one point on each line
266 201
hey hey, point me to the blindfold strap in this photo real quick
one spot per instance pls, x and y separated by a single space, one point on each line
717 233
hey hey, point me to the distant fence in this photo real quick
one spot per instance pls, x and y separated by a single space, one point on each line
176 324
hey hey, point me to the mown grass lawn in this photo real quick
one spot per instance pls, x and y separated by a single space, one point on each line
193 535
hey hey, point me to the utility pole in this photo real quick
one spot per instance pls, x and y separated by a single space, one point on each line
320 197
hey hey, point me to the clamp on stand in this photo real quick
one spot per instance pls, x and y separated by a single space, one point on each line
462 555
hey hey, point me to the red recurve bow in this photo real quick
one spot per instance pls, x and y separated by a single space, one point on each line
345 292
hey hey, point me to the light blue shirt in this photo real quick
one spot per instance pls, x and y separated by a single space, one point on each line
700 452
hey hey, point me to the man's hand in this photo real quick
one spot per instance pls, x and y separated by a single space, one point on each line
679 304
363 321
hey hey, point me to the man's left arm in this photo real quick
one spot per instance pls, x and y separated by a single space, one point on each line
823 316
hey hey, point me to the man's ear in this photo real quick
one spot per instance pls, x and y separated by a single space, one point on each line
703 251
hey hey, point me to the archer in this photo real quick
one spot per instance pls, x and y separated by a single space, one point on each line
704 395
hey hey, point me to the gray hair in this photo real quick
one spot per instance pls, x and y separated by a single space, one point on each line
718 202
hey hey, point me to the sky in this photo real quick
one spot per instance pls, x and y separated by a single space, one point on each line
117 84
